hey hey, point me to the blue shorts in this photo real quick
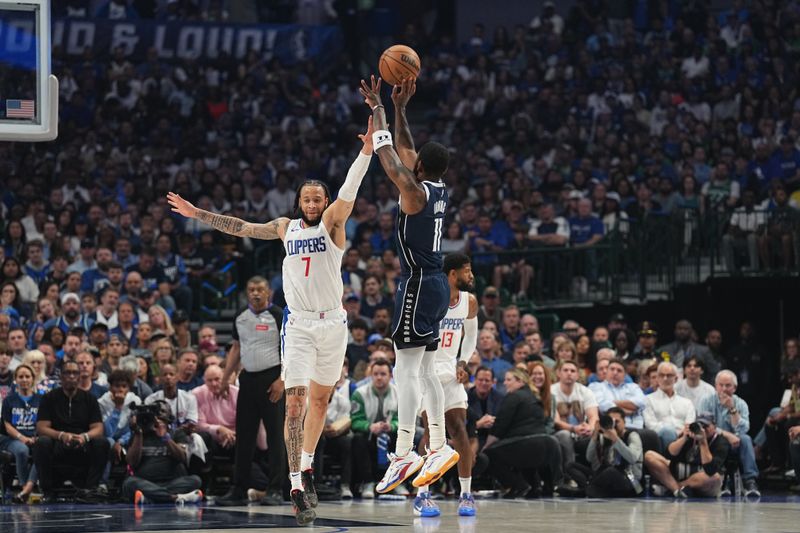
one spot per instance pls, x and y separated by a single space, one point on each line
420 305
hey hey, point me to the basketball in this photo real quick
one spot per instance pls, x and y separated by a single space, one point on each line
397 63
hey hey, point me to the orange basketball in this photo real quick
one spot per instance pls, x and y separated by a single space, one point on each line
397 63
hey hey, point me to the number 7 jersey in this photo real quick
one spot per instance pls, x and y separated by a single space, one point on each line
312 279
451 330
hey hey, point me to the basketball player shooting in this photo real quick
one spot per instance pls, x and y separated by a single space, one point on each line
314 336
423 292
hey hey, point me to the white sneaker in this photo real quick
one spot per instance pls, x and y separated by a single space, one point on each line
368 491
400 469
196 496
254 495
437 462
347 494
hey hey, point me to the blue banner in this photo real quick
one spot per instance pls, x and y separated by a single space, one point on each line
201 41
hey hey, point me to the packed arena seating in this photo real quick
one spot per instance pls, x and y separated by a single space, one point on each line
586 149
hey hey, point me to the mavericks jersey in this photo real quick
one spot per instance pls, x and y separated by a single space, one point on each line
451 329
419 236
312 279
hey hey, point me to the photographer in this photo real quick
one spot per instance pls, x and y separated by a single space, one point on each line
694 461
615 454
158 462
70 430
115 407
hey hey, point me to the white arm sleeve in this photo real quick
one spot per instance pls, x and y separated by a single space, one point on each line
470 338
354 176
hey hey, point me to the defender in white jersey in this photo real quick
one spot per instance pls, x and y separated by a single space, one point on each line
314 333
459 336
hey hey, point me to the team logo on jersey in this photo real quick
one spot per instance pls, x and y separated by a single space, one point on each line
306 246
439 207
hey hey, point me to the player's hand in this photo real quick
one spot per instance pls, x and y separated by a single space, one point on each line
403 92
179 205
372 92
461 373
275 390
224 387
366 138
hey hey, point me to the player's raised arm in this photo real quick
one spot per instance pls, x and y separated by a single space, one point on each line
412 193
274 229
404 143
339 211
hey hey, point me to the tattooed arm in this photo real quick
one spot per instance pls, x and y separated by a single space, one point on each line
412 194
274 229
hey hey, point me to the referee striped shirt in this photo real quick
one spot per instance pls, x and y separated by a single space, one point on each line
259 336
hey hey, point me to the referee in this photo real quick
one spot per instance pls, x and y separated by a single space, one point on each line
256 343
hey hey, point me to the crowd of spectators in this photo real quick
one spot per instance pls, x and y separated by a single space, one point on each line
562 131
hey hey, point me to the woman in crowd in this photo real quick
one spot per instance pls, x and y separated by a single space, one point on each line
519 440
20 411
28 290
41 383
540 378
159 319
10 303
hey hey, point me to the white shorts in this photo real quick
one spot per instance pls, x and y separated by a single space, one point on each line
455 395
313 348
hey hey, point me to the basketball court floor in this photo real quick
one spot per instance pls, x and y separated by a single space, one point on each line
770 513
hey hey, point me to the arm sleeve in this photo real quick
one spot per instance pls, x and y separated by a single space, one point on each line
470 338
744 417
352 182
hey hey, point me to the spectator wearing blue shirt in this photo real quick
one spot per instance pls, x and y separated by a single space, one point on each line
188 361
36 267
784 163
174 272
86 381
152 274
383 238
71 316
510 332
20 411
116 412
94 279
490 352
586 230
732 418
615 392
489 237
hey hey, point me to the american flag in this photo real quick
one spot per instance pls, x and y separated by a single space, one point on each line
19 109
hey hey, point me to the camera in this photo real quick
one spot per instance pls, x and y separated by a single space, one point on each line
696 428
146 414
606 422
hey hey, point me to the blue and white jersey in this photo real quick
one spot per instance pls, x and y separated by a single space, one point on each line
312 278
419 236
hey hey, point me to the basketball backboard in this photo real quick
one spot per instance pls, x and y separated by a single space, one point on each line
28 90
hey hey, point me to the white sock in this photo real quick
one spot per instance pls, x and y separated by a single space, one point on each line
409 391
433 401
422 489
405 440
466 484
297 481
306 461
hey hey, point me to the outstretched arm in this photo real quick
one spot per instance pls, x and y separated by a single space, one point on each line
274 229
401 94
412 193
339 211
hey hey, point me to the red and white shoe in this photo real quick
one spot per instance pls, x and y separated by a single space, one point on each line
437 462
400 469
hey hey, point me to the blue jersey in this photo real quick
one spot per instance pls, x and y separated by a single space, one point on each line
419 236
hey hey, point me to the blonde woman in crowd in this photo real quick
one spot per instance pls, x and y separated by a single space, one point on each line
41 383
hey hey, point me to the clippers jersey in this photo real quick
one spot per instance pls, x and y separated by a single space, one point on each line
419 236
312 279
451 330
